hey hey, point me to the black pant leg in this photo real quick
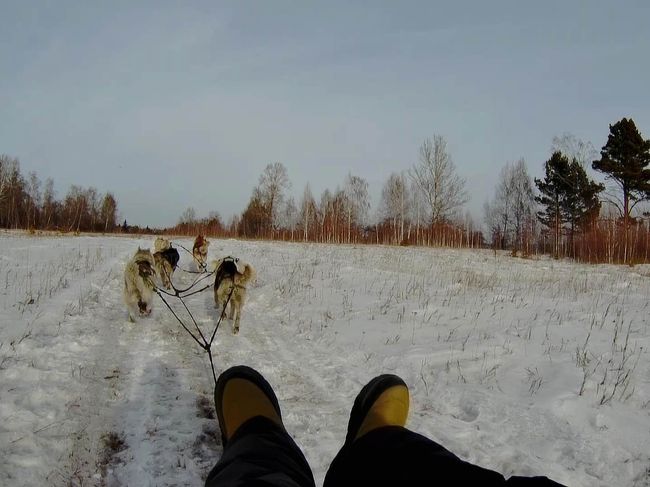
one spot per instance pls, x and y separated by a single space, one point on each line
261 453
393 456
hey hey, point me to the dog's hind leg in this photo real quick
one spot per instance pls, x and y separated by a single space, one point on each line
235 308
168 281
235 326
218 301
224 313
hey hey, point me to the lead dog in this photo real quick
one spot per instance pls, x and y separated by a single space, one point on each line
231 278
200 252
160 244
138 284
166 259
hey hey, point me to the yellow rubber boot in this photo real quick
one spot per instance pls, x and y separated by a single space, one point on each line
241 394
384 401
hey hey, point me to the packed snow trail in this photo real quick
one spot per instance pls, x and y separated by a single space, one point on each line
494 351
137 405
169 382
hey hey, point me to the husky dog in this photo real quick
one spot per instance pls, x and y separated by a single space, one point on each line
160 244
166 259
138 284
166 262
200 252
230 282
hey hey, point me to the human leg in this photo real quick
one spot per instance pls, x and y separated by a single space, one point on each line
257 448
380 451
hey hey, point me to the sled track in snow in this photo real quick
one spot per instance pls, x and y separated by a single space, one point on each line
156 392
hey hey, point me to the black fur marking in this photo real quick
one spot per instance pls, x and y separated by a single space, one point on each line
227 269
171 256
144 269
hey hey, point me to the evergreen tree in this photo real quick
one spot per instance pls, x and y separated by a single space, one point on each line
624 159
568 195
553 189
581 204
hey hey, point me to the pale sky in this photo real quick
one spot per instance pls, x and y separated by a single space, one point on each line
177 104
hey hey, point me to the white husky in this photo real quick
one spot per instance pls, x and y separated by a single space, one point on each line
138 284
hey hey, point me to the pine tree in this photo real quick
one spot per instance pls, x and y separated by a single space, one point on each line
569 197
581 204
553 189
624 159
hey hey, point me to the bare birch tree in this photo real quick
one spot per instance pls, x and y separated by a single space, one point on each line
308 212
108 212
574 148
435 176
356 194
272 184
49 205
419 213
512 209
395 204
33 200
290 215
188 217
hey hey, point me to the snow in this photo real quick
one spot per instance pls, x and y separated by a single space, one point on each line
495 351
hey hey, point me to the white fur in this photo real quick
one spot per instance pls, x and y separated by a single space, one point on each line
161 244
138 284
164 270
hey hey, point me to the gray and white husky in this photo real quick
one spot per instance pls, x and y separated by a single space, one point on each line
138 284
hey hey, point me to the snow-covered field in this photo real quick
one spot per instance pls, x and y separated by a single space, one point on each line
523 366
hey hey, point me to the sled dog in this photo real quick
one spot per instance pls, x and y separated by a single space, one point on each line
231 278
166 262
200 252
160 244
138 284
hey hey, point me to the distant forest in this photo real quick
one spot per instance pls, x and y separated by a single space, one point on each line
564 214
27 203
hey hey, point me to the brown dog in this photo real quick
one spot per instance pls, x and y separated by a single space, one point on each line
200 252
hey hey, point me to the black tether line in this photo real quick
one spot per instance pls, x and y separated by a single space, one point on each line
203 343
201 265
183 293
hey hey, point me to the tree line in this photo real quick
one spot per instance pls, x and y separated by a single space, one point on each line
572 215
27 203
565 213
421 207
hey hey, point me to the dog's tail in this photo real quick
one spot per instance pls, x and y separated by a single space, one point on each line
249 273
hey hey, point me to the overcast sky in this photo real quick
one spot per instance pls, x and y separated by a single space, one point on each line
177 104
